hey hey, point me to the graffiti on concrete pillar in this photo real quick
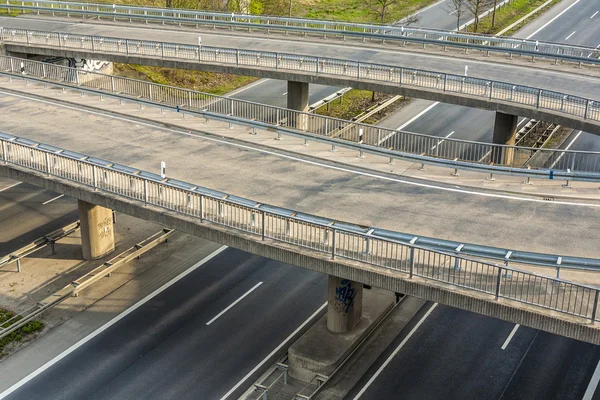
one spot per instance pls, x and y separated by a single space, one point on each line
345 293
104 228
94 65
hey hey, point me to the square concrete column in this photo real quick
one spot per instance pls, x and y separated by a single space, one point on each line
344 304
505 132
97 234
297 99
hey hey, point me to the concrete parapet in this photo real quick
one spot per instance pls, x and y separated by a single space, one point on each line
97 233
321 351
395 281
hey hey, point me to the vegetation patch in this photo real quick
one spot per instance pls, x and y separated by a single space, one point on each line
355 102
20 334
209 82
509 14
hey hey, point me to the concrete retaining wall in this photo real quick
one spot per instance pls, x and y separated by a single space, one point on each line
421 93
534 317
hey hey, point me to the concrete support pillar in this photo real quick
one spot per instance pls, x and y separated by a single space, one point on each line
505 132
97 234
344 304
297 99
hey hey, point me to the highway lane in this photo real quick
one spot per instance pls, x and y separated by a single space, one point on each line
24 217
459 355
477 125
167 349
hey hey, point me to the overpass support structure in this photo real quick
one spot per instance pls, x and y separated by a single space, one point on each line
344 304
297 99
97 233
505 132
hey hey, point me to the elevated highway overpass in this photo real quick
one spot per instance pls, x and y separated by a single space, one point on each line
510 89
342 195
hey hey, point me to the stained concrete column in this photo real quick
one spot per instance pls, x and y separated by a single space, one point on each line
297 99
97 234
505 132
344 304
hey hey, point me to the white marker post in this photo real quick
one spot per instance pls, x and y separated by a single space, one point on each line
466 69
199 41
360 141
163 169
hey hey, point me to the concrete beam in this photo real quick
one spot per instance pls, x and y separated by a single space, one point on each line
505 132
395 281
97 233
306 77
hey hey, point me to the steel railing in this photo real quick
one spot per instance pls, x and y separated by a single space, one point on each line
423 36
390 140
560 103
338 240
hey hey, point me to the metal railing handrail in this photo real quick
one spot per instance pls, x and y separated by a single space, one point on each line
432 81
576 164
578 54
339 240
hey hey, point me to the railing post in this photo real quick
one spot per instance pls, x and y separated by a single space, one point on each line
595 307
112 84
145 192
587 107
262 223
499 279
94 177
491 89
538 98
412 262
77 77
47 163
127 46
445 80
201 208
333 243
4 152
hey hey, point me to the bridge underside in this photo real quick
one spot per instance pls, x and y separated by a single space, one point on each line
395 281
432 94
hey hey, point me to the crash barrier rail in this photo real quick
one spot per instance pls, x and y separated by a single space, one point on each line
453 150
337 239
422 36
47 240
560 103
21 319
334 140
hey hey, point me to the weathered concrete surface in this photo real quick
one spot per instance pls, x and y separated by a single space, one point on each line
394 281
505 132
97 232
456 98
321 351
344 304
297 99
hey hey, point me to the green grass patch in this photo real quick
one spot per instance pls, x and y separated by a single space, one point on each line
367 11
18 335
355 102
209 82
509 14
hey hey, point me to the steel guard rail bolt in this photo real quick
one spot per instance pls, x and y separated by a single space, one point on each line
303 230
540 99
526 47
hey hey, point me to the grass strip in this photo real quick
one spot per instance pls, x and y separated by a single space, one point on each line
18 335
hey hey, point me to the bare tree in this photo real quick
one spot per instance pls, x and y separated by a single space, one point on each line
475 6
457 7
381 7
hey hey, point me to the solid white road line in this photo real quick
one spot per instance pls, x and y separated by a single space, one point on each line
568 37
10 187
271 354
566 148
157 125
51 200
552 20
410 121
391 357
284 93
596 13
442 141
234 303
108 324
591 389
244 88
508 339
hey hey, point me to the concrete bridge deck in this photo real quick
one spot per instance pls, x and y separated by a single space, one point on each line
550 80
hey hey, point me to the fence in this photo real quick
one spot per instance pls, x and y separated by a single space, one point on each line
385 138
338 240
579 54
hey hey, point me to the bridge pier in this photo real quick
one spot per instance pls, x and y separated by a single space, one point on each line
344 304
97 233
505 132
297 99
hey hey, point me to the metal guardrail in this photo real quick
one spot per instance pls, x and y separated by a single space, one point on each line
21 319
423 36
47 240
560 103
433 150
333 238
